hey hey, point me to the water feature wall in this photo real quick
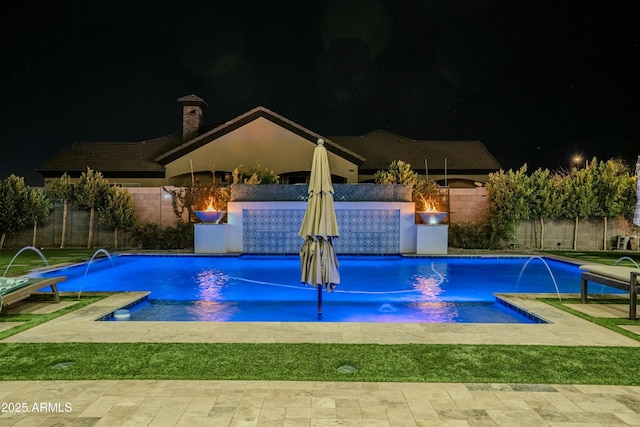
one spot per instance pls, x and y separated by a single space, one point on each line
374 228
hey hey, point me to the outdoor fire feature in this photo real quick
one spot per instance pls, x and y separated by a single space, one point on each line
209 236
431 213
210 214
432 218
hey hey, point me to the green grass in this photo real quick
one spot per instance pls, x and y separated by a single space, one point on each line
31 320
611 323
29 259
310 362
603 257
320 362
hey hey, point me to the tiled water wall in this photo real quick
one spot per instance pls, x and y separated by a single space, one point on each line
374 228
274 231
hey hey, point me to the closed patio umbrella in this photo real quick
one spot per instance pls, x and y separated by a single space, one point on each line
318 261
636 213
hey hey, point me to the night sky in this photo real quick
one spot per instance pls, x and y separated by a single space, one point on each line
536 82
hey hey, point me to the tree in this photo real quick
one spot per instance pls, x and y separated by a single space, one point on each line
611 179
38 208
509 196
63 190
253 175
580 201
541 195
118 211
199 196
13 206
398 172
630 198
90 193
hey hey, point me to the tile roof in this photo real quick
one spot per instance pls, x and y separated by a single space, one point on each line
373 151
381 147
111 157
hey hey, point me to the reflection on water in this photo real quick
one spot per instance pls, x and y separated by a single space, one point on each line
211 305
430 285
430 307
438 312
387 308
211 283
211 311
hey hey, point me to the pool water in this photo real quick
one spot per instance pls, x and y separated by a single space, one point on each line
335 311
372 289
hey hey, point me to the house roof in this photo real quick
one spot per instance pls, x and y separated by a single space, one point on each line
371 152
382 147
248 117
111 158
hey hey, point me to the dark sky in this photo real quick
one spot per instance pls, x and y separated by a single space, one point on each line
536 82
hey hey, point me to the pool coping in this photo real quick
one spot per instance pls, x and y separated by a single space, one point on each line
562 329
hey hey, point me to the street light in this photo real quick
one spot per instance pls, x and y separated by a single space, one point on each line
577 160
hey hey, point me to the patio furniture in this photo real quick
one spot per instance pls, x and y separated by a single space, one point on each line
14 289
624 278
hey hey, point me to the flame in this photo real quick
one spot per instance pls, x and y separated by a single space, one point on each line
429 206
210 207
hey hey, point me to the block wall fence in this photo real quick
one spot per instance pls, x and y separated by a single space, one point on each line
153 204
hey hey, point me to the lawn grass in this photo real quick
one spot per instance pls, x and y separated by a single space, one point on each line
321 362
612 323
535 364
30 259
29 320
603 257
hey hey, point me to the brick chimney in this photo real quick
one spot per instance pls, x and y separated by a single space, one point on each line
192 106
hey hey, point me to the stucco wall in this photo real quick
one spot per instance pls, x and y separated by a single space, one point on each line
263 143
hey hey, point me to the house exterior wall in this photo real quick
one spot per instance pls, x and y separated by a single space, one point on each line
260 142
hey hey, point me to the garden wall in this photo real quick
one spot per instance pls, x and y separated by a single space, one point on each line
559 234
153 204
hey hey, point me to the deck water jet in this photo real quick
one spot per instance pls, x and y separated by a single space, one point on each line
86 271
32 248
548 269
626 258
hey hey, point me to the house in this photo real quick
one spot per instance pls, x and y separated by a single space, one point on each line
261 137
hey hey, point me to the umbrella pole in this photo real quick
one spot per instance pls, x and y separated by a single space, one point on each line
319 301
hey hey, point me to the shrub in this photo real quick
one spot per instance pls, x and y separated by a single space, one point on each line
398 172
152 236
254 175
478 235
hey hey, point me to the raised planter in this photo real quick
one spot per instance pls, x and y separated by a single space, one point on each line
298 193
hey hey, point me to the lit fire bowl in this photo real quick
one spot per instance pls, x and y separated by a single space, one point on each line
210 216
432 218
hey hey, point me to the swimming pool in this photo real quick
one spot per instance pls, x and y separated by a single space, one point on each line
373 289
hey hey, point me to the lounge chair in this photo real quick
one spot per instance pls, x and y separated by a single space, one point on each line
14 289
625 278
